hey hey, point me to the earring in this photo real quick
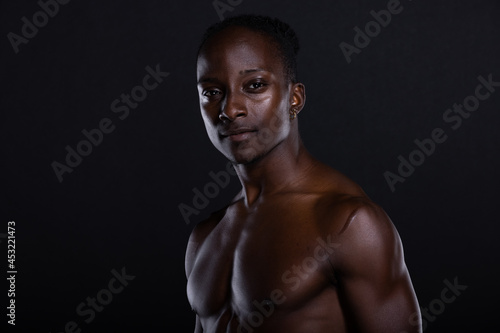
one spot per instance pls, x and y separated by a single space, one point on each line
293 113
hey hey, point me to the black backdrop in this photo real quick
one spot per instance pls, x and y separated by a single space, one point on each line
119 208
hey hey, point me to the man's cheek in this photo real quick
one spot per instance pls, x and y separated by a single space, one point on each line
214 137
275 123
263 137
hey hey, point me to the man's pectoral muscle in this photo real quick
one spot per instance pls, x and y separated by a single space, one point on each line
370 289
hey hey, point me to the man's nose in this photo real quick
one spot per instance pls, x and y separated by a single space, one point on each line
233 107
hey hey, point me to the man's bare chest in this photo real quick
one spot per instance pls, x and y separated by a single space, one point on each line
276 256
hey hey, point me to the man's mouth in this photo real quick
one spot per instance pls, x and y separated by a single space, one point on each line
239 134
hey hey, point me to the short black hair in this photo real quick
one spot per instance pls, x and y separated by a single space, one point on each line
281 33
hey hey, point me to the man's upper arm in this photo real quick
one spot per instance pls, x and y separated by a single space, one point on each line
375 289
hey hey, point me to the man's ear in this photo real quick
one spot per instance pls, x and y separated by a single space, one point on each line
298 96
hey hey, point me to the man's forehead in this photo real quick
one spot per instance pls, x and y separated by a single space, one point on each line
239 53
208 76
214 69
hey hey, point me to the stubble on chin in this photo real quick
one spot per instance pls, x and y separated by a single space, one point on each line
246 154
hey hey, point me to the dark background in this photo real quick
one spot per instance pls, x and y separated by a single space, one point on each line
119 207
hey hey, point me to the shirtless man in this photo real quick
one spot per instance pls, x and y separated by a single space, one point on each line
301 248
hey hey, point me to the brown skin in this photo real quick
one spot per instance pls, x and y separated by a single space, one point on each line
262 254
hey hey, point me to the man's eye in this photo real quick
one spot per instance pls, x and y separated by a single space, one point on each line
210 93
257 85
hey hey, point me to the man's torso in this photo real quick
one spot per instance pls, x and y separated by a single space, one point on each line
269 269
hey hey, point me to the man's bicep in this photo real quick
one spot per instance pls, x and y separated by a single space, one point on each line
385 308
375 289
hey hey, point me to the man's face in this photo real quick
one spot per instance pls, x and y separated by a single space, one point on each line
244 94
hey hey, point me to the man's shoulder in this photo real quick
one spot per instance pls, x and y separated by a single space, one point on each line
339 199
335 210
342 205
204 227
363 228
362 231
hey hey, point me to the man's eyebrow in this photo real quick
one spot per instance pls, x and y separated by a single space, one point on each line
207 79
246 71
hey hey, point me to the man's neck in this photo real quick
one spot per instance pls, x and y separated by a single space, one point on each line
281 170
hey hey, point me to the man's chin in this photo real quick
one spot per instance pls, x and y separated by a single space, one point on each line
244 160
245 157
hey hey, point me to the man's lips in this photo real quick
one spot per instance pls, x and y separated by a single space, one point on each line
239 134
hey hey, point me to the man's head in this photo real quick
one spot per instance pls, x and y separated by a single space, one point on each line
284 38
247 86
